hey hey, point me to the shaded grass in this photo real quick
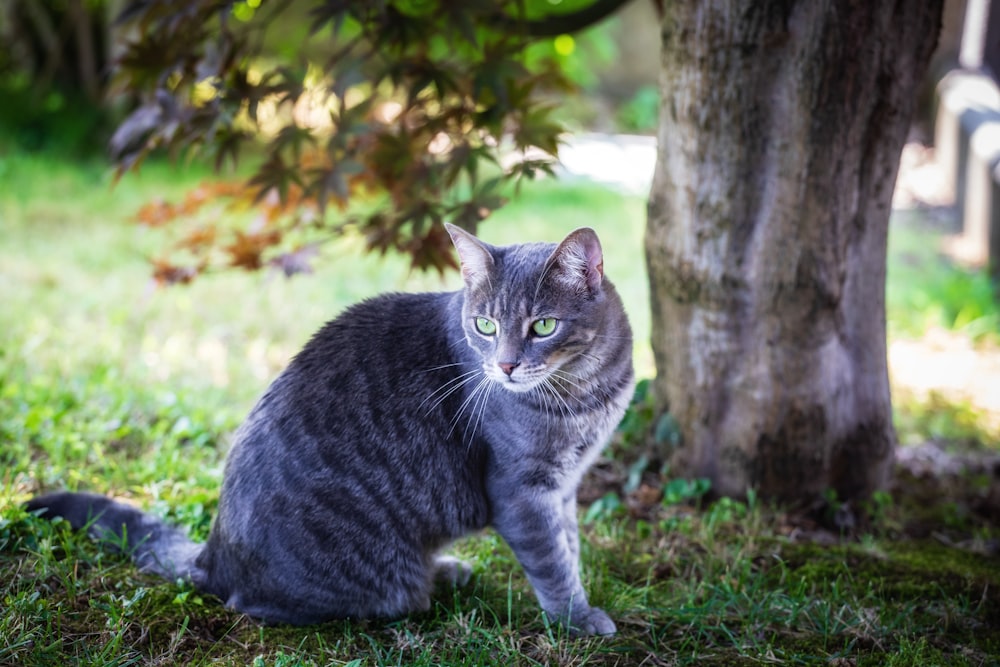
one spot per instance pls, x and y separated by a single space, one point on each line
108 384
725 587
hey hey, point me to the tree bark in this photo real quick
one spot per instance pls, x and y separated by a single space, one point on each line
86 51
48 38
780 133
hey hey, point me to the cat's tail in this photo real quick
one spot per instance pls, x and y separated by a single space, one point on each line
154 546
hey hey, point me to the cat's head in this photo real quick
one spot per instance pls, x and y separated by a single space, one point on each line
531 309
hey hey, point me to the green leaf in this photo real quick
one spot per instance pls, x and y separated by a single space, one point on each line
667 431
604 507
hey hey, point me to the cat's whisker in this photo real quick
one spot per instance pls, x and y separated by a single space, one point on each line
549 391
481 394
541 279
574 379
573 374
443 366
593 357
556 405
544 402
473 420
570 411
449 388
475 415
457 344
583 385
482 412
564 407
539 391
590 385
465 404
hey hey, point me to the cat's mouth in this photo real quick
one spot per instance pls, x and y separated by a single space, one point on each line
518 381
518 387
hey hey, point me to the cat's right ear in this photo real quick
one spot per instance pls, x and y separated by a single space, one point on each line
474 255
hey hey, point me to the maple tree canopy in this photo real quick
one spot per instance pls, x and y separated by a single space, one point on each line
393 118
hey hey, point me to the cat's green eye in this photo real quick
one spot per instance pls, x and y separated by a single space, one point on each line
544 327
485 326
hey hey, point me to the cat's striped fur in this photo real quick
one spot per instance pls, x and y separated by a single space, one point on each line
403 425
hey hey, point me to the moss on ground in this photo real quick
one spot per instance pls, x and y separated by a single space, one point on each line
927 599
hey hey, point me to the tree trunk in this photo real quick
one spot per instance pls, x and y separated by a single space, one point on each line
86 51
780 133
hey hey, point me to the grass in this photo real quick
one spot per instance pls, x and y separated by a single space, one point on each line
109 384
929 298
925 290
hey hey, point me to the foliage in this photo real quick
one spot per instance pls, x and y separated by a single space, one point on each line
403 116
641 113
54 64
53 121
926 290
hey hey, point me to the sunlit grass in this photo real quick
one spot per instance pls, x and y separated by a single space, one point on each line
926 290
944 339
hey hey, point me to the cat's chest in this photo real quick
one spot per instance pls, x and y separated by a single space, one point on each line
551 441
531 421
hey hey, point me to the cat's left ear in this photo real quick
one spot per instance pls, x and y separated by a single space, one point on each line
474 255
579 261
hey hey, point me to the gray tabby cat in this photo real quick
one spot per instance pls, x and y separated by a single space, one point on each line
407 422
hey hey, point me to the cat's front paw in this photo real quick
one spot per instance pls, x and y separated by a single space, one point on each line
591 621
449 570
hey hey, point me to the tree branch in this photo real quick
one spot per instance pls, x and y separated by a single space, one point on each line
561 24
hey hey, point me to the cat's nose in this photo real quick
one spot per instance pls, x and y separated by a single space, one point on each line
507 366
